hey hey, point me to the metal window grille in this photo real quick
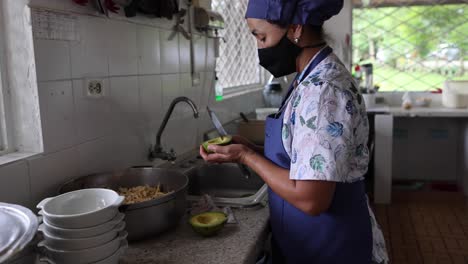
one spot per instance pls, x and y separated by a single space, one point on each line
414 45
237 65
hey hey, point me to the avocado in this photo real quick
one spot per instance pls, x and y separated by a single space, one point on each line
221 141
209 223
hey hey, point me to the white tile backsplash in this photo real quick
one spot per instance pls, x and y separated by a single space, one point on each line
49 172
52 59
14 184
210 55
58 116
184 54
90 55
122 48
199 52
93 117
169 52
142 72
189 91
151 102
170 90
97 156
149 50
125 96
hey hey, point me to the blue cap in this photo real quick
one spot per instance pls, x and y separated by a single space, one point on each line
299 12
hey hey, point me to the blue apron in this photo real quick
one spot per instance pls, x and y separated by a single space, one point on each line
340 235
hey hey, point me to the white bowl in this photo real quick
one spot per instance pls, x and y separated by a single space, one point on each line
82 232
113 259
89 255
80 243
81 209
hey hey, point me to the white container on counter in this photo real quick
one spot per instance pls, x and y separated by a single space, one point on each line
263 113
82 232
90 255
81 209
80 243
455 94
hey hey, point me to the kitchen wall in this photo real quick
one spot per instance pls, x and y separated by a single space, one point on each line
143 64
338 31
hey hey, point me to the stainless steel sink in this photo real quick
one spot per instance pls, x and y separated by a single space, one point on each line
225 183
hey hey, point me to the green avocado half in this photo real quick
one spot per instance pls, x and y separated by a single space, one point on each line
209 223
221 141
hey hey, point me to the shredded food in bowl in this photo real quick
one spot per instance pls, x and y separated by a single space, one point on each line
140 194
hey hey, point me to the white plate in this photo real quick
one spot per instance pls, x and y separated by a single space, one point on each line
59 243
82 232
18 225
81 209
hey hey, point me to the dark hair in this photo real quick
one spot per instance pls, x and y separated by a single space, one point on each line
316 30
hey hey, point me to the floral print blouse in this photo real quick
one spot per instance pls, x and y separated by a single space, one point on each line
325 132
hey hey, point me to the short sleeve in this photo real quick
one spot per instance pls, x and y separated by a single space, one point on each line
322 122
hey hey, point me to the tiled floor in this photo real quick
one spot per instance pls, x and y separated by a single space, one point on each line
425 227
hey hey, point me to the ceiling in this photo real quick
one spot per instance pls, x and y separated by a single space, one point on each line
387 3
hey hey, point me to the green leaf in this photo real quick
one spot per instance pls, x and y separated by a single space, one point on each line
297 100
303 122
285 131
311 123
317 163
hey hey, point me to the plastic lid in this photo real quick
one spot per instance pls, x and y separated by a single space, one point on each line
19 226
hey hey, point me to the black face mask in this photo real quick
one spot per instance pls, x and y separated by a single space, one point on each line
280 60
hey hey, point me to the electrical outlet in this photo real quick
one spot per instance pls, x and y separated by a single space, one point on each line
95 88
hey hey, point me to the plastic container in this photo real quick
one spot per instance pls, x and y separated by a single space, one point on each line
455 94
263 113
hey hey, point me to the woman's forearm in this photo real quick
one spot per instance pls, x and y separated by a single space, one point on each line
312 197
274 176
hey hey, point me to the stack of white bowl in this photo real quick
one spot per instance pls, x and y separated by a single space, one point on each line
82 227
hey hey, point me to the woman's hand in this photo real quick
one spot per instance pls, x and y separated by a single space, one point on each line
233 153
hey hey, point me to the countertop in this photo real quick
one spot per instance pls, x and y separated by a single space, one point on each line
435 111
235 244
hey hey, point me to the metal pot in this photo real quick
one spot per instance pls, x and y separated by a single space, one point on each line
148 218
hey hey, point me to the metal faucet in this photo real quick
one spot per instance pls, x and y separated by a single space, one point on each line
157 151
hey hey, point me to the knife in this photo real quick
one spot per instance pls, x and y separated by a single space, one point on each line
222 132
217 124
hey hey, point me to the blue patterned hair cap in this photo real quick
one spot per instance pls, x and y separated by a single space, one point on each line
299 12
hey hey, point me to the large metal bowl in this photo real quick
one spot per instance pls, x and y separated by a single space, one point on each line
148 218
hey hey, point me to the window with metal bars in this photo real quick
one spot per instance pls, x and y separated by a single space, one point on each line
237 67
414 45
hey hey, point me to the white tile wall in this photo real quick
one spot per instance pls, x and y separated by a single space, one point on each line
199 52
93 117
151 103
169 52
149 50
170 90
14 184
184 54
97 155
57 111
142 72
210 55
52 59
47 173
90 55
122 48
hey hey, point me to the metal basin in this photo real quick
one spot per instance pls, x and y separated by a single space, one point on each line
144 219
226 184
